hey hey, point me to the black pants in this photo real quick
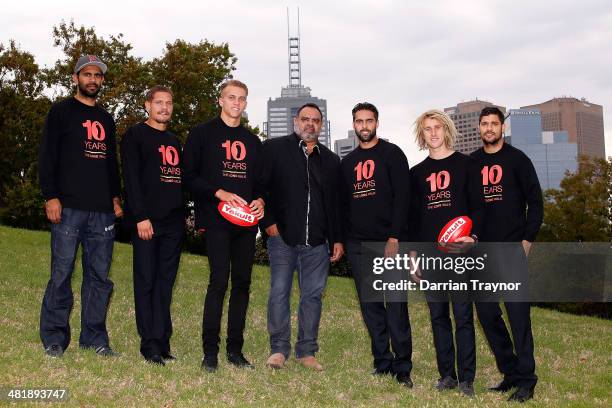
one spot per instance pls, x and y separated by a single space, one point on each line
230 252
384 320
517 362
155 266
465 338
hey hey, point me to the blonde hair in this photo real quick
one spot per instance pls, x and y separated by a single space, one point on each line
450 131
233 82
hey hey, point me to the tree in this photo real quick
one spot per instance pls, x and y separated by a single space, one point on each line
21 119
581 209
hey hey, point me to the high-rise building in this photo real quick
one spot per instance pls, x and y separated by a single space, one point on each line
582 120
281 111
465 116
550 152
342 147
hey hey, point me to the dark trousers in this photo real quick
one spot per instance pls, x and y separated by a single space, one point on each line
385 321
465 339
230 253
155 266
95 232
516 363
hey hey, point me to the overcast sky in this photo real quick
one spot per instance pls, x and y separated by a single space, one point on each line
404 56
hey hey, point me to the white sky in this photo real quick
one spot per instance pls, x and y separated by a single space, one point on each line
403 56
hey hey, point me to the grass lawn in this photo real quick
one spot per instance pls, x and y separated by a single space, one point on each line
573 353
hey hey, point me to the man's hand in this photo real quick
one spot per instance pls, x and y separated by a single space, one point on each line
526 246
53 208
232 199
272 230
338 252
460 246
145 230
117 207
391 248
257 208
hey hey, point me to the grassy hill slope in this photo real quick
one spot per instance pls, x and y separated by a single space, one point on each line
573 353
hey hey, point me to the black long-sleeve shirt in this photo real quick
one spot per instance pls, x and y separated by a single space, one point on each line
375 192
217 156
514 208
285 176
78 157
151 161
443 189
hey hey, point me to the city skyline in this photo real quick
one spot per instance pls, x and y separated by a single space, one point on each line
405 58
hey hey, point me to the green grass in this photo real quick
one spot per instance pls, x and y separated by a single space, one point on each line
573 353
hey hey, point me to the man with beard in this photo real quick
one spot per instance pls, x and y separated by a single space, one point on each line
301 176
80 183
375 196
221 163
513 213
150 158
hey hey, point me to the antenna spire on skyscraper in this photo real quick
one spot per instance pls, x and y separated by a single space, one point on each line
295 63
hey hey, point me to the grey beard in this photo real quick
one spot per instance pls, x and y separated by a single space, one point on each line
305 136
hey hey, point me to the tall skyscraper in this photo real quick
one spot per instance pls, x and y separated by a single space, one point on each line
281 111
550 152
465 116
582 120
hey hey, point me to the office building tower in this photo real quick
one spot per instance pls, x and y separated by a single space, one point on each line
582 120
550 152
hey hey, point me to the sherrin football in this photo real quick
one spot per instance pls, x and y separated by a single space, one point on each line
456 228
241 215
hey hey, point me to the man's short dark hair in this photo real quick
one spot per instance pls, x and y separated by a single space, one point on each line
309 105
365 106
492 110
157 88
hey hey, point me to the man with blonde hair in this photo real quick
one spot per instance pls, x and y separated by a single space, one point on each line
221 158
445 186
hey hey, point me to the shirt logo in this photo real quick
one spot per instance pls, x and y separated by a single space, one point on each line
438 195
169 170
95 147
364 185
234 165
491 177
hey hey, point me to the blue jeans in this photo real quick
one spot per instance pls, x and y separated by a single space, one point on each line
95 232
312 264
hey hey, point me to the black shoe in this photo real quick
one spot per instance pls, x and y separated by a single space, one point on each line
167 356
210 363
155 359
382 371
446 383
54 350
106 351
503 386
522 394
239 361
404 379
467 388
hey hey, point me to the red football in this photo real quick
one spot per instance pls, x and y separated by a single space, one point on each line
237 215
456 228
